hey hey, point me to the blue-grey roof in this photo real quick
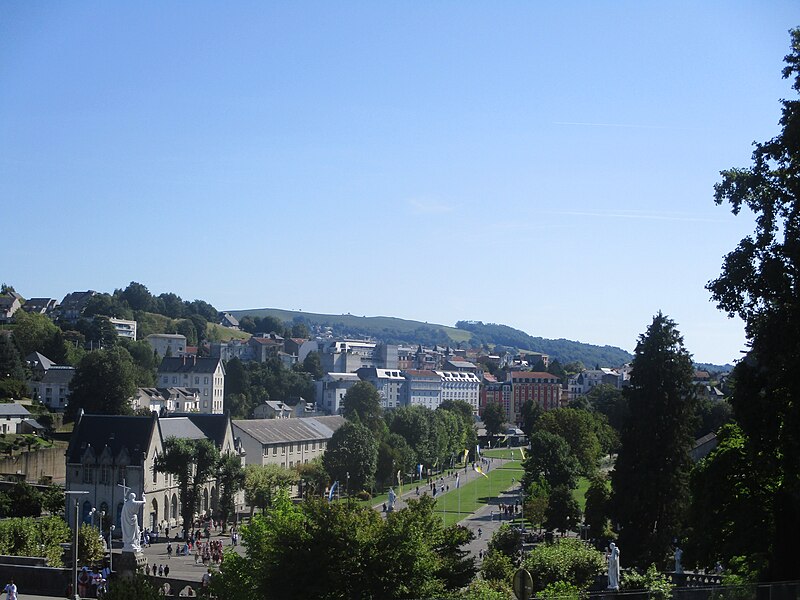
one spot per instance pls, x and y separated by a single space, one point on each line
274 431
180 427
13 409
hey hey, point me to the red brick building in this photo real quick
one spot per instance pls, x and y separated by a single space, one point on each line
542 388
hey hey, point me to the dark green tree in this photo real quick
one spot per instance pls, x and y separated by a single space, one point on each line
33 332
727 517
494 417
550 460
362 403
104 382
563 512
394 454
651 476
578 429
609 401
312 365
192 463
760 281
415 425
137 297
263 483
598 508
352 450
530 413
230 478
11 365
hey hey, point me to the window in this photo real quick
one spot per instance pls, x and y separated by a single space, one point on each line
87 474
121 475
205 380
166 379
291 448
274 449
105 474
155 475
197 379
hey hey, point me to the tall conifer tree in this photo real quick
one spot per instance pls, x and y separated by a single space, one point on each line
650 480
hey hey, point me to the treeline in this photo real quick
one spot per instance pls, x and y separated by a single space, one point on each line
565 351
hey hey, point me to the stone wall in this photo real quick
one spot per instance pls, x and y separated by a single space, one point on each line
48 462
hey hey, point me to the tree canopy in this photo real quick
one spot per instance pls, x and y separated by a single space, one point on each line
651 475
104 382
760 281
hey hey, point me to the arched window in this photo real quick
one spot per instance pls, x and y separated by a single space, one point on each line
86 512
175 507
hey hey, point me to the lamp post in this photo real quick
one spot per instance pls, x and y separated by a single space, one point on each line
110 550
75 595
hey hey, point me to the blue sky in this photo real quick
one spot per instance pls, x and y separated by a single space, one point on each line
549 166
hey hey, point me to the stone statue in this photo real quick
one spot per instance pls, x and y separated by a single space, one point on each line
392 499
131 533
678 559
613 566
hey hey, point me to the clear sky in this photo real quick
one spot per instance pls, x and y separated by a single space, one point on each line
547 165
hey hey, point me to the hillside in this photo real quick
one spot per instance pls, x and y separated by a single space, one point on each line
392 330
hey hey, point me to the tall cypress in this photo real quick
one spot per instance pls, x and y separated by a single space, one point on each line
650 479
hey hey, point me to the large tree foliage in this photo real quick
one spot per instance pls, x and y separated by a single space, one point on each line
651 476
727 517
191 462
351 457
230 478
579 430
493 418
362 403
339 550
550 461
104 382
760 281
263 483
568 560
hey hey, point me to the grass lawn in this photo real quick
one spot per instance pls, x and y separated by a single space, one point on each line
513 453
579 493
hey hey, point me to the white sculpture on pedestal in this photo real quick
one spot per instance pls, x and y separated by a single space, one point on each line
131 533
613 566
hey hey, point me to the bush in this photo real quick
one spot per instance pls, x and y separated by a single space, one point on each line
507 540
567 560
497 567
364 495
657 585
485 590
560 590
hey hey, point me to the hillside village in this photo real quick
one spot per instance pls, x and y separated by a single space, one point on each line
190 392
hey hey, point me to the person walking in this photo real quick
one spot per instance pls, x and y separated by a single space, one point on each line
11 590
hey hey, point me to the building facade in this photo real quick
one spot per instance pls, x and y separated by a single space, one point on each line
204 374
542 388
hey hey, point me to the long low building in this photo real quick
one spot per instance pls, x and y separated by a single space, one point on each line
285 442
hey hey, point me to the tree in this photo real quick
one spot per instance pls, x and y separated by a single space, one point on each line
651 476
362 403
530 414
507 540
104 382
137 297
90 545
342 550
464 412
137 587
414 424
263 483
550 460
145 361
493 418
760 281
352 450
313 366
563 512
313 477
32 332
578 429
191 462
727 517
12 370
598 506
609 401
230 478
394 454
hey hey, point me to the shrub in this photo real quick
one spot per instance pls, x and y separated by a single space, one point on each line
497 566
567 560
657 585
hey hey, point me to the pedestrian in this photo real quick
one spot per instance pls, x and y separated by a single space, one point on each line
147 570
11 590
166 570
160 570
480 532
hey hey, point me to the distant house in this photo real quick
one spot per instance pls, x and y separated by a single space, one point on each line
40 306
204 374
73 305
38 364
167 344
228 320
166 400
8 306
272 410
12 414
331 390
265 346
53 388
124 328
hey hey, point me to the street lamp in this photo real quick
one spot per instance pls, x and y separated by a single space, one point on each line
75 595
110 550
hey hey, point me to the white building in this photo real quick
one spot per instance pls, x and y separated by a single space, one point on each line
423 388
12 414
461 385
124 327
52 389
167 344
285 442
204 374
389 383
170 400
106 451
331 390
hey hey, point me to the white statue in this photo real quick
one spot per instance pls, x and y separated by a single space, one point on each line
131 534
678 559
613 566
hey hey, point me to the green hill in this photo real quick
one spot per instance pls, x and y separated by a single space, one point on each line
392 330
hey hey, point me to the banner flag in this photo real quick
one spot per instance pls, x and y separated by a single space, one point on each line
332 491
479 470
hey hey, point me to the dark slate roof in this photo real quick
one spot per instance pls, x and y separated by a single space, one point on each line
115 431
188 364
306 429
13 409
214 427
37 358
58 374
180 427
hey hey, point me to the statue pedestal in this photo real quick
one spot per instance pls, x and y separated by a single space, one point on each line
129 563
